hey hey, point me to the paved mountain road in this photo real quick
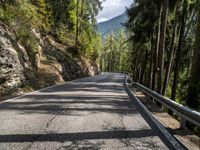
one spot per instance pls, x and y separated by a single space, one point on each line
90 113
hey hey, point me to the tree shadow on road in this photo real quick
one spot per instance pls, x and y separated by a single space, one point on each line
62 137
76 97
51 104
73 99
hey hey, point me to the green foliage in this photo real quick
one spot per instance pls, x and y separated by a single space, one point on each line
91 44
65 36
92 8
43 14
57 18
22 17
178 71
6 14
72 13
115 53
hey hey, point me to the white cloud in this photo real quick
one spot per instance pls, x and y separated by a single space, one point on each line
113 8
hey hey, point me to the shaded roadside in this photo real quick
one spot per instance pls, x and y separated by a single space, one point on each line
186 137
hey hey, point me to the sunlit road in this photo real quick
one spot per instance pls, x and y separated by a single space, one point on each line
91 113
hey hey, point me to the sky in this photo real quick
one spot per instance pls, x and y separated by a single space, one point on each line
113 8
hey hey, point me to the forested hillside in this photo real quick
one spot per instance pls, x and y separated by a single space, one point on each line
115 53
161 50
44 42
166 47
113 25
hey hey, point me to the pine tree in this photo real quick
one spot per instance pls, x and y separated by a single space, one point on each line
193 99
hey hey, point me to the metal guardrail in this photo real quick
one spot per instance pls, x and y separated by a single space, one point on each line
185 113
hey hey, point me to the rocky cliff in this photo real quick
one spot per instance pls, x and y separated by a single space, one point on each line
51 64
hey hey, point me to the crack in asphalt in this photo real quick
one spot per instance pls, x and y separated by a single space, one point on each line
44 130
53 118
125 140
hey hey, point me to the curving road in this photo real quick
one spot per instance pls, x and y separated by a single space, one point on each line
90 113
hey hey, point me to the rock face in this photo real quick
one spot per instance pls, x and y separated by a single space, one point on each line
11 69
72 67
51 64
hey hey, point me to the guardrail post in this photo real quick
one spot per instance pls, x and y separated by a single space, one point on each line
182 123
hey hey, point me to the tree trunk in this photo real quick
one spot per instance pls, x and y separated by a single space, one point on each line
155 53
136 62
150 71
101 60
189 25
178 52
139 73
143 68
193 99
172 50
151 62
77 22
162 44
135 69
110 59
82 17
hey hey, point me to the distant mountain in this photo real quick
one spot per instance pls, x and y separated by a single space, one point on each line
112 25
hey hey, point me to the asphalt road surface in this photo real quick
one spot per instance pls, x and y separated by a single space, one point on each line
86 114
